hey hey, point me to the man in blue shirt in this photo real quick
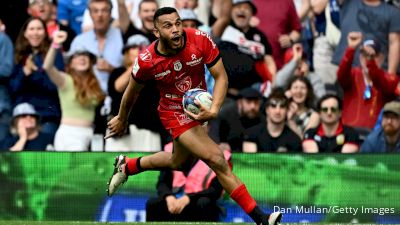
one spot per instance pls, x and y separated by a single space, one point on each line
386 139
6 67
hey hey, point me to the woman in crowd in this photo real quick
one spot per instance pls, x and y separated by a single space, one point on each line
301 116
79 92
29 82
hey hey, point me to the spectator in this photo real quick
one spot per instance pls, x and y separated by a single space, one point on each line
366 87
25 131
245 50
144 123
183 194
331 135
104 41
29 82
147 8
70 13
387 138
6 67
236 117
327 24
280 24
376 20
43 10
301 116
79 93
296 66
274 135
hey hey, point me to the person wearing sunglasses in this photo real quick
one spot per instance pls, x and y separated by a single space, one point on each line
274 135
331 135
366 87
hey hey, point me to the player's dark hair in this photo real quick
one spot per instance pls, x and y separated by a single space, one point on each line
328 96
163 11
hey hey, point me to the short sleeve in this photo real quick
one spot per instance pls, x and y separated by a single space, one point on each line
352 136
210 49
309 134
138 72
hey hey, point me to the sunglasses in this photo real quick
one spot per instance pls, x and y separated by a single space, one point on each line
332 109
367 92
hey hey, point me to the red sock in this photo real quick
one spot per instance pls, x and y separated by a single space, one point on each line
243 198
132 166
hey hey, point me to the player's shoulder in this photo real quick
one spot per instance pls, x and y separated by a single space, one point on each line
147 56
198 37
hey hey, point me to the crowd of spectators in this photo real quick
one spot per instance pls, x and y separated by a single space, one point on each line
304 75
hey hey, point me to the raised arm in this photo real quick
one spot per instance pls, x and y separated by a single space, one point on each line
58 77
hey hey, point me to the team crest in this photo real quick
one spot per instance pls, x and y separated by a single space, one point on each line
184 84
177 65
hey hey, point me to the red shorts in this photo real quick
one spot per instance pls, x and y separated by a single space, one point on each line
176 122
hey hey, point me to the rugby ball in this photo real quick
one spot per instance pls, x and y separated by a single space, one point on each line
198 94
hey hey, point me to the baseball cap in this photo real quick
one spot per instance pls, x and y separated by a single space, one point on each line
188 14
24 109
81 51
236 2
249 93
393 107
373 44
134 41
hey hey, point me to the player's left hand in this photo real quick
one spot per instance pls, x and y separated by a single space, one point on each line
203 115
181 203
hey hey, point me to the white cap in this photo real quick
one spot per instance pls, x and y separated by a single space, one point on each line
24 109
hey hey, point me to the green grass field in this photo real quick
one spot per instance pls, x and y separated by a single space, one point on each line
98 223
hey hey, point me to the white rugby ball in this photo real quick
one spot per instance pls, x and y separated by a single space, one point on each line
198 94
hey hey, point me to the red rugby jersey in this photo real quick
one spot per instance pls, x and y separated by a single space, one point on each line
176 74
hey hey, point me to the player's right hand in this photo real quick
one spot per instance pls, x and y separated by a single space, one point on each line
116 127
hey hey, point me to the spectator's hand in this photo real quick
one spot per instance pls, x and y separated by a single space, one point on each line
285 41
292 110
297 52
103 65
60 37
204 114
354 39
21 130
181 203
29 66
116 127
171 204
369 51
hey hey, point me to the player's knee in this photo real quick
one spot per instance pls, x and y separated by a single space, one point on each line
218 163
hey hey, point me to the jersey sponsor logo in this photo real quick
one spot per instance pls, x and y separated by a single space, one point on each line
177 65
135 67
201 33
195 61
162 74
173 106
172 96
146 56
182 118
184 84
